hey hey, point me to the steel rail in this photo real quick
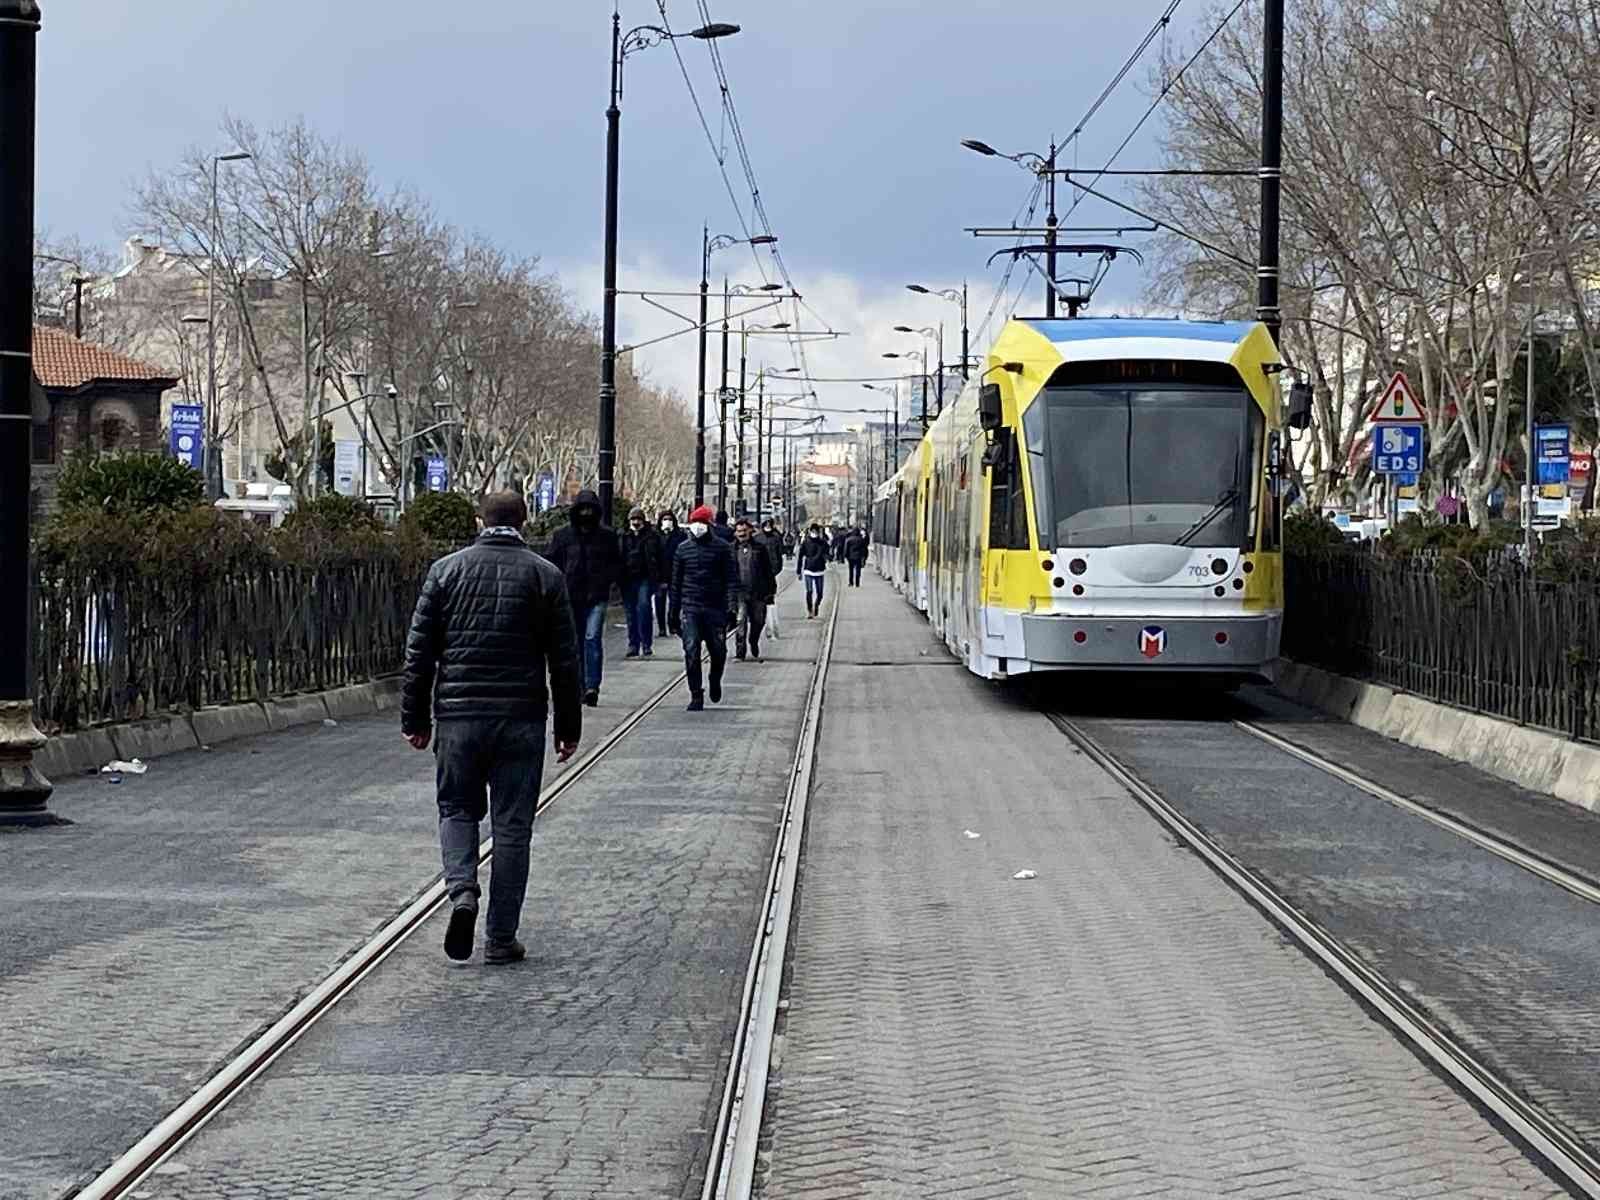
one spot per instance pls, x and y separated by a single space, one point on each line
161 1142
731 1163
1561 1148
1544 868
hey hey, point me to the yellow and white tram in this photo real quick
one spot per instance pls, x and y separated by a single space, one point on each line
1101 497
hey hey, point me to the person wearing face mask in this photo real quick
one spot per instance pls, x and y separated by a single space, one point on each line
643 569
589 556
672 536
755 585
811 561
702 588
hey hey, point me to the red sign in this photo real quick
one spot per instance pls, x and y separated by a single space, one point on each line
1580 465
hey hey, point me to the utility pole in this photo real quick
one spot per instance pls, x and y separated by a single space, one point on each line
1050 227
606 434
24 792
1267 310
722 408
700 408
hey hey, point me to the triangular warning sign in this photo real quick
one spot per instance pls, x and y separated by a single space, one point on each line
1398 402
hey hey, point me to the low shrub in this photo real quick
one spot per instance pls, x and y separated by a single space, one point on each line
128 484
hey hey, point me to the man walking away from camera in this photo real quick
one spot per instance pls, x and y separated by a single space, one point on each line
491 622
588 555
754 585
702 588
811 561
671 538
643 568
855 554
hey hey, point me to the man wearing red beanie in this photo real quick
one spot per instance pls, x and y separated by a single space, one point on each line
702 588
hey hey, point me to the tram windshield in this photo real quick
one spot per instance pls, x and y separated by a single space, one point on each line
1116 465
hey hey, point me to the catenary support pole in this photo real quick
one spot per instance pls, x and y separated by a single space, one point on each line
722 408
700 407
1050 235
606 433
24 792
1267 310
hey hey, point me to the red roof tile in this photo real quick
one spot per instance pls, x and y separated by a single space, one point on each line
62 361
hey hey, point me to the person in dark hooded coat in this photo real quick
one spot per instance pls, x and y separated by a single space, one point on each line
590 557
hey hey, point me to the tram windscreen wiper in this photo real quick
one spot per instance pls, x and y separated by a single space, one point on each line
1225 503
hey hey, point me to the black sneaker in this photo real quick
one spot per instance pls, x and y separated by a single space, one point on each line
592 697
696 704
715 691
633 652
739 656
458 934
649 653
755 654
498 954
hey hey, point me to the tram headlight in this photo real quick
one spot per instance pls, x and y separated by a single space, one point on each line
1219 566
1077 566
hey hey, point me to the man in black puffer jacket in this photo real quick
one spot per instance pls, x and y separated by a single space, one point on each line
702 593
491 621
589 555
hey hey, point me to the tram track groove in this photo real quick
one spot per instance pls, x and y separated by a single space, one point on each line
1544 868
731 1165
1565 1153
183 1123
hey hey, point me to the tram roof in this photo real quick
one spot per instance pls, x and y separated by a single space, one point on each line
1082 338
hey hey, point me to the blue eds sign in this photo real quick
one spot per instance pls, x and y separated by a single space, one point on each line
188 435
1397 449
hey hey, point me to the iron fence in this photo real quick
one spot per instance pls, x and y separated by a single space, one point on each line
1481 637
114 645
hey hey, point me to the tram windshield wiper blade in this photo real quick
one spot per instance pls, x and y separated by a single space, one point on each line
1224 502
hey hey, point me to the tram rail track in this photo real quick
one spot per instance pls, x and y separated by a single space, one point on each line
1566 1154
1551 872
731 1164
136 1164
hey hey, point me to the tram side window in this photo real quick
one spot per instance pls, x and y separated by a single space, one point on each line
1008 510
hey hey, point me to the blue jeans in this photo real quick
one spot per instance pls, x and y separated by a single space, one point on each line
593 623
636 602
814 589
479 762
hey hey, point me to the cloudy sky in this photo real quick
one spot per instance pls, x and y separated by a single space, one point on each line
852 111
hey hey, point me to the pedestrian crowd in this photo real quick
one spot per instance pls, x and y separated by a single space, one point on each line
495 620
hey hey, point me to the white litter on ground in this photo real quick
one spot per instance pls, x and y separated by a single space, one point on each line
330 722
969 834
118 767
1026 874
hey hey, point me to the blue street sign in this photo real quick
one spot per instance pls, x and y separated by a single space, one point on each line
544 495
188 435
438 473
1554 452
1397 449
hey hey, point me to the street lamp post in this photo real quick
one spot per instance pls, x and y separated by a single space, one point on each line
606 434
923 354
213 443
1045 165
895 392
931 334
954 297
24 792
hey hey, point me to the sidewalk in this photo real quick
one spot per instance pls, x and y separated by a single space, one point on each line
186 909
596 1067
1123 1024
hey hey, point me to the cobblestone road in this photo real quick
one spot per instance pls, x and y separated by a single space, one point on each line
1122 1025
188 908
1505 960
594 1068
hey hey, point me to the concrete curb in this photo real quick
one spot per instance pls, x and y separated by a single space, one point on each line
1530 758
87 750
